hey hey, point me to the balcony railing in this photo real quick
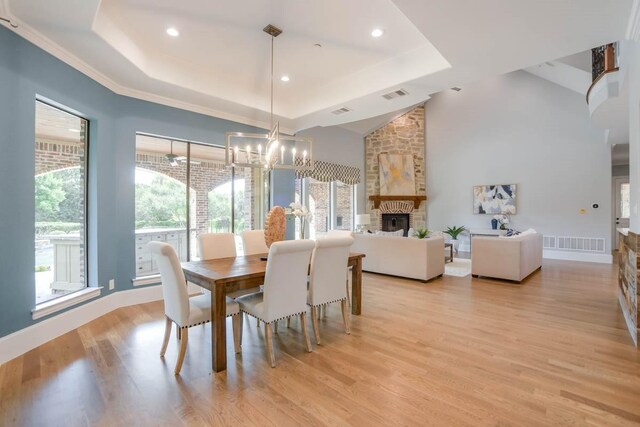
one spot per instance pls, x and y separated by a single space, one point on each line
603 60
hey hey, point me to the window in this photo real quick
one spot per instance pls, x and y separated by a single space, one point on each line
625 198
331 203
61 148
182 186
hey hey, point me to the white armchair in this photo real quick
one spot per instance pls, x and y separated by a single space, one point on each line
285 289
326 279
185 312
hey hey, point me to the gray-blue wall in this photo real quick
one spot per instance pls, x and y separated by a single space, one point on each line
26 72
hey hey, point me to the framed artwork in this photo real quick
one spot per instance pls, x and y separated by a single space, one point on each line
396 175
494 199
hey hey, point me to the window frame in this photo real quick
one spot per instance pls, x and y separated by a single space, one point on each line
63 301
139 280
333 202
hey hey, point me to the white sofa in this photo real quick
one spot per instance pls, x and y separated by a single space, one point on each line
512 258
421 259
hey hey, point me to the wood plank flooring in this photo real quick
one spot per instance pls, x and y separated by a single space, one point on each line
455 351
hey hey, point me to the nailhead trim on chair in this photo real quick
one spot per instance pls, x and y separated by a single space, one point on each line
201 323
276 320
327 303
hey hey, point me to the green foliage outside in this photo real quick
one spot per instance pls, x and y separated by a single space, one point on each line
46 227
220 210
161 203
59 196
59 202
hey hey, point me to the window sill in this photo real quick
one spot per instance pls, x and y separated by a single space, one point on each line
153 279
58 304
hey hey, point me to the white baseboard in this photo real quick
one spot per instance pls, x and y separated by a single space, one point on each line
20 342
577 256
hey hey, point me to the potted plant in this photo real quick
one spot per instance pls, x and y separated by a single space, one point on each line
454 232
301 212
421 233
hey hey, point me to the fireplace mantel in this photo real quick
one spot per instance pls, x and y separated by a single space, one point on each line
379 199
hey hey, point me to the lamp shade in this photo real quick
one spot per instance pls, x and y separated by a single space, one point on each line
363 219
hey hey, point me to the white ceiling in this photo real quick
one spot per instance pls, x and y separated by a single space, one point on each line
220 63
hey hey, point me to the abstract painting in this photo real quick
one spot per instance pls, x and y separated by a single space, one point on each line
396 175
494 199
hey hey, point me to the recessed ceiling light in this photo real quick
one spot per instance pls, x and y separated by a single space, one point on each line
285 78
377 33
173 32
74 130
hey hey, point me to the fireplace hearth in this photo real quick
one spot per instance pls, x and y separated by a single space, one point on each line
395 222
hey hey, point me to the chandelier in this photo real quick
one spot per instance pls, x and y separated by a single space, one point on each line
271 150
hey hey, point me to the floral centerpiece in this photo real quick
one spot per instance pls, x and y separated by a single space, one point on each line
301 212
503 220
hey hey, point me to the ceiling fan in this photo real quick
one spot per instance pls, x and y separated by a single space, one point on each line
173 159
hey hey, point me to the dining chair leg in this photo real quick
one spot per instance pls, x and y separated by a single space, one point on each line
241 321
167 333
178 333
348 290
345 316
269 341
303 325
183 349
314 323
235 321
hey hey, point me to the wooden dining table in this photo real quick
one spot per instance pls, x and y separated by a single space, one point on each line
224 275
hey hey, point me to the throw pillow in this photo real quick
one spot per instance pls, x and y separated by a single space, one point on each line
511 232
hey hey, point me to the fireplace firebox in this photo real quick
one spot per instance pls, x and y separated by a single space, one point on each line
395 222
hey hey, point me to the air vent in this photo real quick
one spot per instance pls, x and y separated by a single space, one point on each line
395 94
456 88
549 242
574 244
341 111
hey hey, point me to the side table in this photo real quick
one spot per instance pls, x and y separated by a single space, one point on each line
448 258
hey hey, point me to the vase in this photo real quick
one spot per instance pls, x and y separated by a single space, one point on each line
494 224
302 224
456 245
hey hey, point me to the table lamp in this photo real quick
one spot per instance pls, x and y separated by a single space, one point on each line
362 220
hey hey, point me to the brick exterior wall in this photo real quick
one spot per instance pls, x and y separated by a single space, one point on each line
404 135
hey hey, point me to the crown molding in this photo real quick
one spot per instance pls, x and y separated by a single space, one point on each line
633 27
38 39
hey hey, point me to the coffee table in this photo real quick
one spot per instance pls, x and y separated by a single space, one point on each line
448 258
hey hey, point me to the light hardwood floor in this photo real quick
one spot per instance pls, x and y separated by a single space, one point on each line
455 351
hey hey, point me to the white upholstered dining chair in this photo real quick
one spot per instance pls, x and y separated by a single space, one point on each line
285 290
216 245
185 312
221 245
253 242
326 278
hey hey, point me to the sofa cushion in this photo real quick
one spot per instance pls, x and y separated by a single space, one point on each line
390 233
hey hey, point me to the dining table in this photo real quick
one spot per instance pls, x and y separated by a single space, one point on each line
225 275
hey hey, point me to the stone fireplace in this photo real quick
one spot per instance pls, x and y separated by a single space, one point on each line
404 135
